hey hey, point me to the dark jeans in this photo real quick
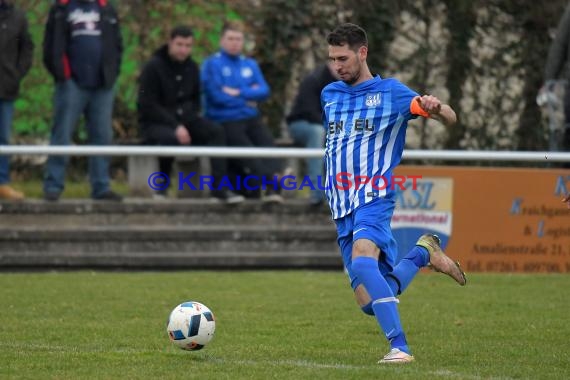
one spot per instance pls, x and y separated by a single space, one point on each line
202 132
252 133
71 101
310 135
6 113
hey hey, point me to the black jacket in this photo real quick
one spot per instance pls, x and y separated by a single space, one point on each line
56 39
16 49
169 92
307 105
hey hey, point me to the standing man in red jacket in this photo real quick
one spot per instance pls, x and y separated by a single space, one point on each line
82 51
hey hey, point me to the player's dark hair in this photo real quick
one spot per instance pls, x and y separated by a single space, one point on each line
348 34
183 31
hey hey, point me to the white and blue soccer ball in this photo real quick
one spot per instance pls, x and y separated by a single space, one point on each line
191 326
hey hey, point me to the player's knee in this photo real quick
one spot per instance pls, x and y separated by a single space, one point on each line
365 248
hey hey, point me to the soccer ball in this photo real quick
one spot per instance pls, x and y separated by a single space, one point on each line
191 326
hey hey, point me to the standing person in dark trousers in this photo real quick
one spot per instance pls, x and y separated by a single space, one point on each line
233 86
169 107
82 51
15 61
306 123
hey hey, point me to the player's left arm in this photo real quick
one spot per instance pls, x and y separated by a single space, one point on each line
431 107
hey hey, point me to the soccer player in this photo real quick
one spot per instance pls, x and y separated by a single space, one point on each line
365 118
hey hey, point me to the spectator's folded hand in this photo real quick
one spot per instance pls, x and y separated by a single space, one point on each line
183 136
231 91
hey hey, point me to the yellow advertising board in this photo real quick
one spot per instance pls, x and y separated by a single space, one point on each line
490 219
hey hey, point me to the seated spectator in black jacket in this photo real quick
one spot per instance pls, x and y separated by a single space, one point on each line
169 107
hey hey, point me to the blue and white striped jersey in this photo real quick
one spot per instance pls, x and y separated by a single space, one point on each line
366 132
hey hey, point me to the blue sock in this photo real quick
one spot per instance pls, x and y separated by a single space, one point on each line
407 268
367 309
383 301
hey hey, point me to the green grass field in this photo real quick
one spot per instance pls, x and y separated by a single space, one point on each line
73 189
282 325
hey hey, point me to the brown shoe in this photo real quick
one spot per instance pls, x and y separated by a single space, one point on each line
7 192
439 261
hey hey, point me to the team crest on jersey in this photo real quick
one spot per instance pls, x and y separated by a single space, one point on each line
373 100
246 72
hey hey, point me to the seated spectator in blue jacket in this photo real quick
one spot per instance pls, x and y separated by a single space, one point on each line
169 107
306 124
233 86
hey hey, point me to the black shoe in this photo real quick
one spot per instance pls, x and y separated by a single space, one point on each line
227 196
52 197
109 196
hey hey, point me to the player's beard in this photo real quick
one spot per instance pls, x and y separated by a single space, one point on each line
352 80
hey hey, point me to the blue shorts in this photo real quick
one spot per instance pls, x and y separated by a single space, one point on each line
370 221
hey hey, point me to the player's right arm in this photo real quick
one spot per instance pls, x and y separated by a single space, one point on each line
412 105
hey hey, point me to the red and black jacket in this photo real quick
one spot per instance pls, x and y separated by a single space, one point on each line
56 39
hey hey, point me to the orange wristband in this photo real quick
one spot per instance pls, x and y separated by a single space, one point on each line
416 109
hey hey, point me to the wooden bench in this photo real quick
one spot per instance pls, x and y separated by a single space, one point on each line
294 163
139 169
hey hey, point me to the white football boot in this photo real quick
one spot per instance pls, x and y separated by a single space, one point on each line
396 356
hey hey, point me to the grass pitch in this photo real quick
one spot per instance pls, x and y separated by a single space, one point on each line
282 325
